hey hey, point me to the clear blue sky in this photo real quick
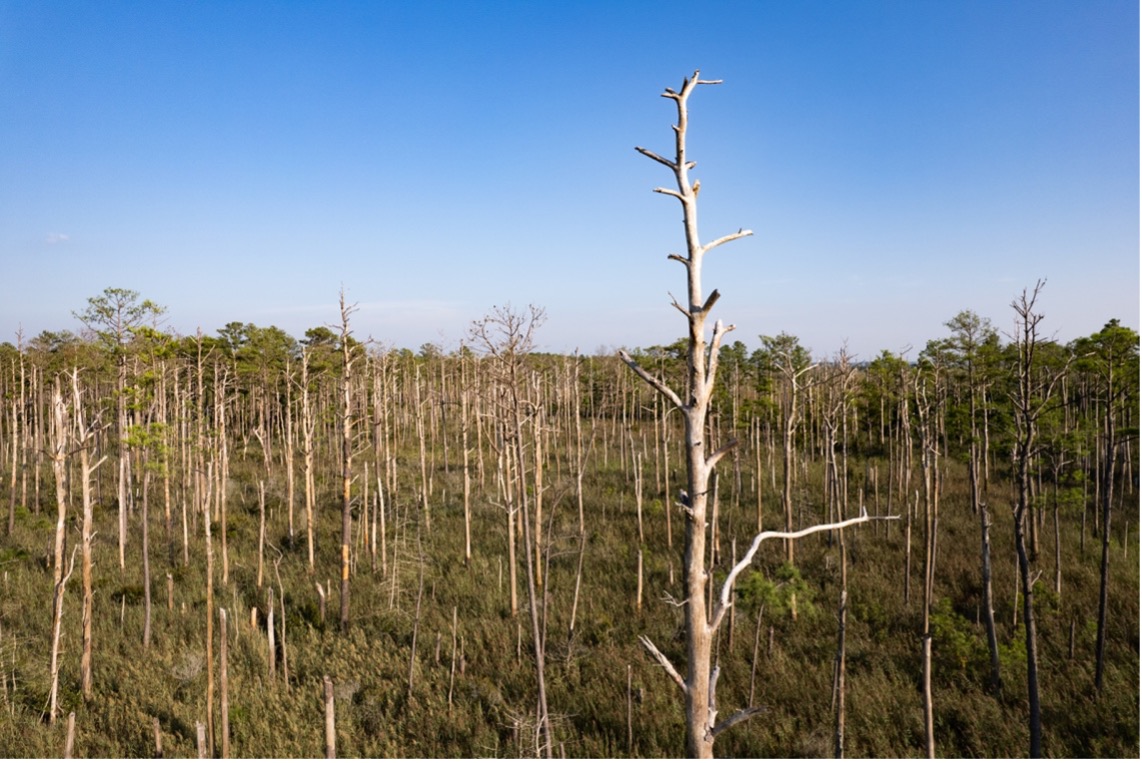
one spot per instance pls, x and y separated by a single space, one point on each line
897 161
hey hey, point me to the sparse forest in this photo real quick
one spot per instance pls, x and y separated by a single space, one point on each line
499 510
246 544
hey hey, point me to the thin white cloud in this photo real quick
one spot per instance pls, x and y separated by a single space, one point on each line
56 238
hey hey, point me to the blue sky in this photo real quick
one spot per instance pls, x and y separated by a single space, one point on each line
897 161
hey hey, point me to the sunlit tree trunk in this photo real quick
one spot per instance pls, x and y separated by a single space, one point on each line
701 621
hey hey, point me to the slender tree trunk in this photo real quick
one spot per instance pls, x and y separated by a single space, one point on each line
209 630
980 508
224 681
330 721
146 558
59 467
842 621
308 425
289 451
121 418
1104 567
346 464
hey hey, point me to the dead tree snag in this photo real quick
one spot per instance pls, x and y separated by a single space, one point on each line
699 684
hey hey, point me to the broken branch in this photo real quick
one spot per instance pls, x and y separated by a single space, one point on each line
664 662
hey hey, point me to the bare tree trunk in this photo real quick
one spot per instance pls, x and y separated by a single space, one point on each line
700 684
146 556
224 681
261 531
271 640
83 439
330 721
59 467
69 742
308 424
980 507
346 461
842 621
1029 403
209 631
467 475
930 465
121 418
289 449
1107 480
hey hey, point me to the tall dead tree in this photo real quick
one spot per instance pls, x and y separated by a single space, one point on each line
700 683
84 437
790 361
1029 400
508 337
347 357
308 426
59 454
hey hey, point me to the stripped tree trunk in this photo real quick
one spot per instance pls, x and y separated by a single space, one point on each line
330 721
346 460
700 684
224 681
1029 401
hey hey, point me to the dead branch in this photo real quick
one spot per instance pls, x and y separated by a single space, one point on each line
724 600
664 661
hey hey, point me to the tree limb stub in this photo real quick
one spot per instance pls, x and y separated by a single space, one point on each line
714 295
717 455
736 718
661 160
664 661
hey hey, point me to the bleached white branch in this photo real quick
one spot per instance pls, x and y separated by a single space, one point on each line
712 703
724 600
677 306
664 661
670 192
726 239
661 160
735 719
716 456
720 330
658 384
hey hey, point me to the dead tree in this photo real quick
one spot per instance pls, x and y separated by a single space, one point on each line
1029 401
84 438
346 458
308 426
927 387
59 453
508 337
700 683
